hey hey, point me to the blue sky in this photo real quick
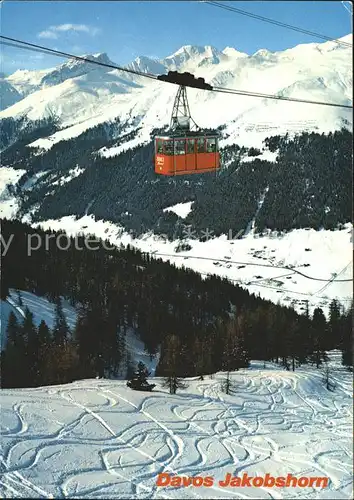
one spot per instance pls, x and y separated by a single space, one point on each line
125 30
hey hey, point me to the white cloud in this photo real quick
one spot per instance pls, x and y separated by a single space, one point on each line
48 34
53 31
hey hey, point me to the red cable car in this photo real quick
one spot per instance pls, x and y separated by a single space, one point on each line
185 151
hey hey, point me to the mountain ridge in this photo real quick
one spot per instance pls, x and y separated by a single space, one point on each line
81 95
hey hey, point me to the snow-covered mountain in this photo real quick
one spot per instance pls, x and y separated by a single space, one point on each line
8 94
27 81
78 92
83 95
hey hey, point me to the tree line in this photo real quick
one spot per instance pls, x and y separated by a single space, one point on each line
198 326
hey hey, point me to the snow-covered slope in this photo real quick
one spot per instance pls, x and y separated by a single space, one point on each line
8 94
8 202
41 308
99 439
82 93
290 268
26 81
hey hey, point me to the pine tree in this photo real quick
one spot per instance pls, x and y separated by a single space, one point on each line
14 355
172 364
61 329
43 334
334 324
299 331
202 356
123 357
229 355
327 378
319 331
347 335
61 364
12 330
241 353
111 349
234 355
19 298
44 343
30 336
86 342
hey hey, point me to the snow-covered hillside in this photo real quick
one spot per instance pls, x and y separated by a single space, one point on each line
8 93
82 95
291 268
41 308
8 202
99 439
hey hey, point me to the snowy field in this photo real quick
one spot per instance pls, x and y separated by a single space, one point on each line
301 265
99 439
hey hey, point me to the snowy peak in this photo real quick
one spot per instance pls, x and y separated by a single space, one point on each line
147 65
195 55
27 81
193 50
76 67
74 63
101 57
233 53
79 92
8 94
262 53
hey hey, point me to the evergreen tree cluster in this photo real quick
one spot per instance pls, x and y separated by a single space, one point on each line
37 356
309 184
199 325
17 133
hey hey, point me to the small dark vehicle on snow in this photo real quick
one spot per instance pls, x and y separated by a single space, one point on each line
137 385
139 382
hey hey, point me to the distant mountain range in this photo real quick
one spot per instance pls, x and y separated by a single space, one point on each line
81 95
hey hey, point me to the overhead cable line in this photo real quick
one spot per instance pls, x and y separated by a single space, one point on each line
37 48
71 56
279 98
277 23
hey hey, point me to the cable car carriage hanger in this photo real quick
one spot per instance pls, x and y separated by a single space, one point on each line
186 149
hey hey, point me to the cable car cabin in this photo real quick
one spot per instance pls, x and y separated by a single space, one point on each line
186 155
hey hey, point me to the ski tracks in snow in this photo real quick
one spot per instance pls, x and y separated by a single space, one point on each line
100 439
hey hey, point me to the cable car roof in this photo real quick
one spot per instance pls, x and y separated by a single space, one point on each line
188 135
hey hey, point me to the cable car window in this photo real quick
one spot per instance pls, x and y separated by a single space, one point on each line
211 145
159 146
201 145
169 148
190 146
180 147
